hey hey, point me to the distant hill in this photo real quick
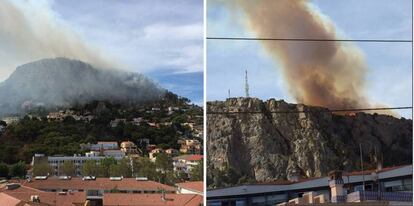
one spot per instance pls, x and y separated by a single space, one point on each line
60 82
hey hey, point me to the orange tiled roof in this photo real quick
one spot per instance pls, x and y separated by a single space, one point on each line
119 199
8 200
190 157
197 186
24 193
99 183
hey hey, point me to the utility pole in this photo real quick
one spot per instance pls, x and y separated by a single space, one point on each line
229 94
362 168
246 85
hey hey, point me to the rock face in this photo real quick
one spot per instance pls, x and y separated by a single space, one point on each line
266 146
61 82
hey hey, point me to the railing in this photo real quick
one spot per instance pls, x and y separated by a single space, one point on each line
340 198
384 196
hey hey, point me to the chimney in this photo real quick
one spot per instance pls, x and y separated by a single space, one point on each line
336 183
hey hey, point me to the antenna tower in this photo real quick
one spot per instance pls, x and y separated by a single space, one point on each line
246 86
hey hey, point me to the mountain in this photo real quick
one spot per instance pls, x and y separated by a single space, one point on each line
61 82
266 146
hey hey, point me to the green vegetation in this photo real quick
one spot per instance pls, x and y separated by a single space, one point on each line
90 168
197 172
18 170
20 141
4 170
160 171
35 133
42 169
227 176
120 169
68 168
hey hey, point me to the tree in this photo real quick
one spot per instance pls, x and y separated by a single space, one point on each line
42 169
18 170
169 178
125 167
104 167
182 176
145 168
163 162
90 168
197 172
68 168
114 171
4 170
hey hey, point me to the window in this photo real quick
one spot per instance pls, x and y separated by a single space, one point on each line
213 203
393 186
258 201
274 199
358 188
241 203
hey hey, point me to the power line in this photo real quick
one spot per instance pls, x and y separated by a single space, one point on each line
311 39
313 111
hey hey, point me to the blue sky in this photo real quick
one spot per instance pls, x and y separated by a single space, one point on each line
162 39
389 78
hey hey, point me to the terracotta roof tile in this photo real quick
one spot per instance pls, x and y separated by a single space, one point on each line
118 199
99 183
190 157
50 198
8 200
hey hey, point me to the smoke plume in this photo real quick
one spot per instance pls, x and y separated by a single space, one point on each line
29 31
329 74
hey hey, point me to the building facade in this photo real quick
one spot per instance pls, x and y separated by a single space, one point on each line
395 181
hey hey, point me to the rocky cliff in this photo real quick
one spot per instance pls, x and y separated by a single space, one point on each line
266 146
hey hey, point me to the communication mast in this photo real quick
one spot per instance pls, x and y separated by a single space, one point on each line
246 86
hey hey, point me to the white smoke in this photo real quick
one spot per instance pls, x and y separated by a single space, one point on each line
30 30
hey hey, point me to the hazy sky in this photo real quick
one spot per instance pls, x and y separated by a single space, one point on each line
389 79
163 39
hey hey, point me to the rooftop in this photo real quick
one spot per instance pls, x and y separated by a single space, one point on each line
309 183
99 183
118 199
189 157
23 194
197 186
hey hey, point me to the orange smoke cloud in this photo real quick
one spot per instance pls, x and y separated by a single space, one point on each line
329 74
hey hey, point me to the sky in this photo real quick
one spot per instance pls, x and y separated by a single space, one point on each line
389 77
162 39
